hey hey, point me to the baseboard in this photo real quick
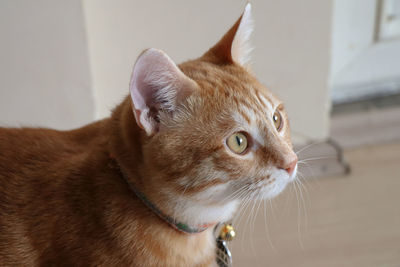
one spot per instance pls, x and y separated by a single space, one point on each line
352 125
321 159
372 126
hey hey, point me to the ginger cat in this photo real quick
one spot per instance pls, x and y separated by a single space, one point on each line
146 186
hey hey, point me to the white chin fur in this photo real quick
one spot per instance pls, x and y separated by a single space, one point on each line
281 179
205 207
196 213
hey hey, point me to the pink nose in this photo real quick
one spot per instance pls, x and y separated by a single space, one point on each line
291 166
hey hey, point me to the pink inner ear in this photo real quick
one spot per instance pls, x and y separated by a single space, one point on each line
142 92
156 83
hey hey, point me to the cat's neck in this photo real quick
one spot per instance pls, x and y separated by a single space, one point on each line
126 145
126 141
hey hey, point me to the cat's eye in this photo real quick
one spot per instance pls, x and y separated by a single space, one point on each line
277 118
237 142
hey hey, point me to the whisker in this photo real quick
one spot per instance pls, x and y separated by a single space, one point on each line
243 210
309 168
315 158
298 213
243 206
301 186
307 181
253 215
300 175
309 145
233 195
299 209
238 215
269 239
273 210
258 201
236 220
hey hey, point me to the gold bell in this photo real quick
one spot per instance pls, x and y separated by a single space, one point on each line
227 232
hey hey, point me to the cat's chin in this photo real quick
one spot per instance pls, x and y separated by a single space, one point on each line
197 213
209 206
280 179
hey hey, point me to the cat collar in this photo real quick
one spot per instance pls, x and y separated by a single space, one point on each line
180 226
227 232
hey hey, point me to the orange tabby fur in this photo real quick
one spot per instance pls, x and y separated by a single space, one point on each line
64 202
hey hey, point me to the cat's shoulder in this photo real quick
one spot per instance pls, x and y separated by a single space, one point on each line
40 137
24 145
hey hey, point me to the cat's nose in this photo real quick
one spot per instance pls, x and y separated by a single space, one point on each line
289 167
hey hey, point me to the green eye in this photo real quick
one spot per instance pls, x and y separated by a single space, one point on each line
237 142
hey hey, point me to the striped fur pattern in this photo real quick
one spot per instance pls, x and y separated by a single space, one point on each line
205 173
63 201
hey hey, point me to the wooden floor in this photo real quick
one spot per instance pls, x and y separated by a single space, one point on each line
340 221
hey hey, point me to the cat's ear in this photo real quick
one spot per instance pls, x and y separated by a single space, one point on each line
156 84
235 44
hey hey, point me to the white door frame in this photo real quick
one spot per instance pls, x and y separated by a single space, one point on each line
363 65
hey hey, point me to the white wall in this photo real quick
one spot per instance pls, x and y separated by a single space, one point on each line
44 70
50 69
353 31
292 57
291 40
363 65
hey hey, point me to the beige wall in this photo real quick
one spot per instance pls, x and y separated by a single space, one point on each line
44 69
291 40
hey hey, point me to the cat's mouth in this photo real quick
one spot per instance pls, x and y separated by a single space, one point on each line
269 186
259 184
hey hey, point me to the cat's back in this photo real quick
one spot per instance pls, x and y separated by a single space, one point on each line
22 148
39 170
29 155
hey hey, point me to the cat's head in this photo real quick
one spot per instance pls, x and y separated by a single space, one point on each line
215 134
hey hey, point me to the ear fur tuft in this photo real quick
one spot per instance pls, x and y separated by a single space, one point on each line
234 46
157 84
241 47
